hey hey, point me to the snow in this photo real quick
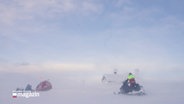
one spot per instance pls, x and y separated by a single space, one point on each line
86 91
116 78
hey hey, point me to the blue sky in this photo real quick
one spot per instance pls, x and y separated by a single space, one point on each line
92 35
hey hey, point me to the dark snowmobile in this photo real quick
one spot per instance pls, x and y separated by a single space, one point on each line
134 89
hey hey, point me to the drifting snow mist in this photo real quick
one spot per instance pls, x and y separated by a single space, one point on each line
70 90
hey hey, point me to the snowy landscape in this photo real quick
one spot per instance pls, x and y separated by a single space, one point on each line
81 51
86 91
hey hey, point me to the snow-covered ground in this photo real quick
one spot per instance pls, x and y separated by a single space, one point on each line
75 91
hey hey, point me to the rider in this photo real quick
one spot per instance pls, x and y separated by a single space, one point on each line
131 79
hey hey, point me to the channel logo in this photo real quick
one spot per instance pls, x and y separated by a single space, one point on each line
25 94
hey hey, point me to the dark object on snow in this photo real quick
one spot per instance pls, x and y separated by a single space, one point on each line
19 89
44 86
134 89
28 88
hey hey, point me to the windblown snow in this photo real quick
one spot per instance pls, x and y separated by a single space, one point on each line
85 91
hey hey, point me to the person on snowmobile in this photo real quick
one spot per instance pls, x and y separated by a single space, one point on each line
131 79
131 87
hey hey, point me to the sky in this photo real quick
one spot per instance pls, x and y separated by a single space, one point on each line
92 36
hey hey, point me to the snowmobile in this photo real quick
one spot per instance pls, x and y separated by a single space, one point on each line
134 89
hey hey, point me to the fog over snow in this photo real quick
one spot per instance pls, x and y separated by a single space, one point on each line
69 90
73 43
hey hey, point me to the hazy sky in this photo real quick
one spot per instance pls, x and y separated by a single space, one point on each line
92 35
